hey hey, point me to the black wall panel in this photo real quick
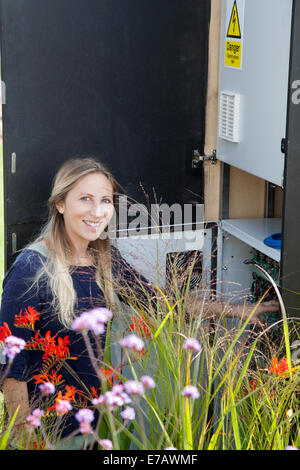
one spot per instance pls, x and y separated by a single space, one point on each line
124 80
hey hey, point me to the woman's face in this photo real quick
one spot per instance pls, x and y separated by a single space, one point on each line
87 209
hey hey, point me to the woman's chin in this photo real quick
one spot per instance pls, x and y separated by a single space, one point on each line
99 235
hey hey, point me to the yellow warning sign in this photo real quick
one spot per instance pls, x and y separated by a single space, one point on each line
234 29
233 54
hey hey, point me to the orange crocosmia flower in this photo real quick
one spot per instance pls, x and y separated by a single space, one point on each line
69 396
52 377
94 392
28 319
279 368
41 378
110 375
62 349
82 401
20 320
46 343
58 398
32 315
252 387
140 327
70 393
49 346
139 354
4 331
36 342
38 446
55 379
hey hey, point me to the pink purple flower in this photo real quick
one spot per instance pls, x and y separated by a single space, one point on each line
118 389
14 346
93 320
113 398
99 401
147 381
134 387
35 418
63 407
190 391
106 444
47 388
132 342
128 413
125 398
85 428
84 415
193 344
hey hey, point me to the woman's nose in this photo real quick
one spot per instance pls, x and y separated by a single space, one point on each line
99 210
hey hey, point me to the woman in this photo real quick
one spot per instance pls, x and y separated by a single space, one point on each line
70 268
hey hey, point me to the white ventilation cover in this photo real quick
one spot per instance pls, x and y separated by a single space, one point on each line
229 116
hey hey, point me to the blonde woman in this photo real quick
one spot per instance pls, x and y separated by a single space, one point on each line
67 270
70 268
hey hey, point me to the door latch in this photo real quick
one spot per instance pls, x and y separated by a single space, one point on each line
198 159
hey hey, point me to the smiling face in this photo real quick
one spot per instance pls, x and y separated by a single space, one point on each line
87 209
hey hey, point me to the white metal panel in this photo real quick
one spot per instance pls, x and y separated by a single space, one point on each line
148 253
253 232
236 276
262 82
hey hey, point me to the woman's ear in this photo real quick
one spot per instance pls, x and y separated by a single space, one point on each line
60 207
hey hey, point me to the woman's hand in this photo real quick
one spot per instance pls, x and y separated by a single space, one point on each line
247 310
196 305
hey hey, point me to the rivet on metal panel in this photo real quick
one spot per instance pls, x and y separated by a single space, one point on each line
13 162
14 242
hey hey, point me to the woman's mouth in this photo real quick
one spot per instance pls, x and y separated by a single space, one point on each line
91 224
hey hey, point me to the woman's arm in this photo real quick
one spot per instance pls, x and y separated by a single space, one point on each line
18 294
16 394
129 284
218 309
132 282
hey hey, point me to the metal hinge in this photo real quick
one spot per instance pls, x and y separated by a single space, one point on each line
13 167
198 159
283 146
14 242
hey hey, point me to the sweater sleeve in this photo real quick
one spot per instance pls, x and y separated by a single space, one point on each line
18 294
130 285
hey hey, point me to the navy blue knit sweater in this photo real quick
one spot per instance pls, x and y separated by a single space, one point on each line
18 294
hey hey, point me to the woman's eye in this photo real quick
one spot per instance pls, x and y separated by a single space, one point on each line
107 200
85 198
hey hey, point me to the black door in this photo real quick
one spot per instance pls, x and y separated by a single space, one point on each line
290 253
123 80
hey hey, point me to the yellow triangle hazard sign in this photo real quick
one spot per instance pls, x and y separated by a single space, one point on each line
234 29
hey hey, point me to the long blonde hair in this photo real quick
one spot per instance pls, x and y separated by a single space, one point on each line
54 236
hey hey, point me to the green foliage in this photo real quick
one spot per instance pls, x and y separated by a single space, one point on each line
244 403
4 437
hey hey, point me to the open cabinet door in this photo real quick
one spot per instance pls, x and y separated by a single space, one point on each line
122 80
253 86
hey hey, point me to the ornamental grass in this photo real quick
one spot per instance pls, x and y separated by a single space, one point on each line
170 380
